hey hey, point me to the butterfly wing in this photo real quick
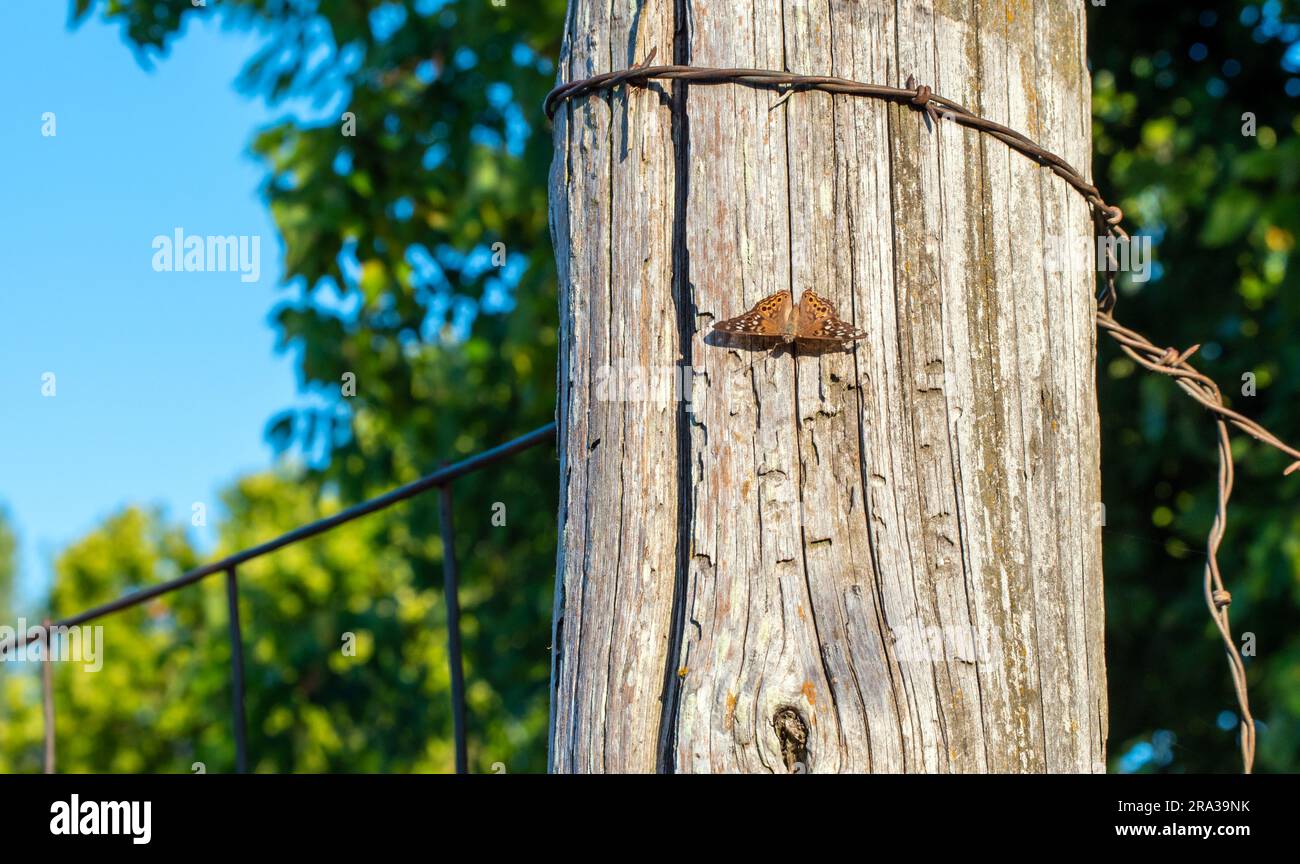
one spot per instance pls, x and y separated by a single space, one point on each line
769 317
817 320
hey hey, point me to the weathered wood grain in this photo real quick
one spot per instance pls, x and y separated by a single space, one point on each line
884 559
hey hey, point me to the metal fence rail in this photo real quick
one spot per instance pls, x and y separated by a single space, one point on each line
440 479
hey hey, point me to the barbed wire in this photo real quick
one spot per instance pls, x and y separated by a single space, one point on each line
1107 219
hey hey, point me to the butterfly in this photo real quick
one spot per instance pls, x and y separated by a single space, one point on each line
777 315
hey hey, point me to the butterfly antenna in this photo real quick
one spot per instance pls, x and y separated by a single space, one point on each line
767 355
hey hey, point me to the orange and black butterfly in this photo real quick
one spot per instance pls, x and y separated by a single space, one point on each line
813 319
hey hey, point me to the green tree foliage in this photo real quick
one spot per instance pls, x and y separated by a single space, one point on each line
1223 208
344 646
346 643
8 565
418 268
17 718
139 697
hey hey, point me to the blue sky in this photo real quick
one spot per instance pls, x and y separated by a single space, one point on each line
164 380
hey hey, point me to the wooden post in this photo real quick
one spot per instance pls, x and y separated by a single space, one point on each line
886 559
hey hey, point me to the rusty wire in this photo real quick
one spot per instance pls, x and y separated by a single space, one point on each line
919 97
1107 219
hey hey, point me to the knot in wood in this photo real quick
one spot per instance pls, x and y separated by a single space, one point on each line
792 733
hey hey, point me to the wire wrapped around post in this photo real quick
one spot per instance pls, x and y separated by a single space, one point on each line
1107 219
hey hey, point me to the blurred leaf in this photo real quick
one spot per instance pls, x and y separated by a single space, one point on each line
1230 215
